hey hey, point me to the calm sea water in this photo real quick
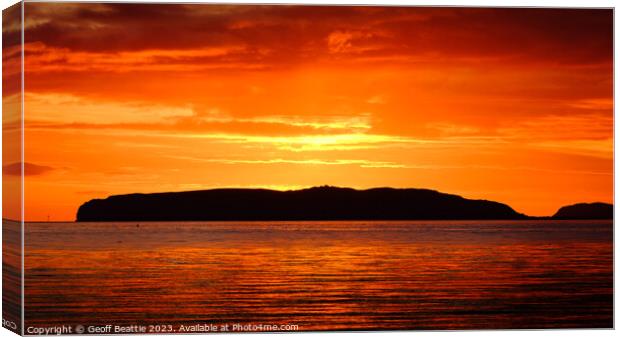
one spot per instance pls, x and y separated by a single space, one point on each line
322 275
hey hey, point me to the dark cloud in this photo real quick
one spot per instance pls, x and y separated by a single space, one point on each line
289 34
30 169
11 24
11 51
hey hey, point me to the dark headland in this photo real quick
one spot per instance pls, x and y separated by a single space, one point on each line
317 203
595 210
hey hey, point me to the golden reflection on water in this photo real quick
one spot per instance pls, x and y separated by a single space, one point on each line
322 276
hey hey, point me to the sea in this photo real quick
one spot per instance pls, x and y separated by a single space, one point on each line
173 277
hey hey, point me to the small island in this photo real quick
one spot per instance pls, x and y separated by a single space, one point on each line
317 203
595 210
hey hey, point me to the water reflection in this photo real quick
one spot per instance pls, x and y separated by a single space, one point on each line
323 276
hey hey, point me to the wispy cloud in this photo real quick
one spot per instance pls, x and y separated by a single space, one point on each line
67 109
602 148
357 162
588 134
348 141
42 58
592 104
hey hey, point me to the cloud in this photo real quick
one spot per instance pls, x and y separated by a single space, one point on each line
339 42
601 148
342 141
30 169
587 134
71 109
574 126
352 123
281 36
58 111
357 162
43 58
593 104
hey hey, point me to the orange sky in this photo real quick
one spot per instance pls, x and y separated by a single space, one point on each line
512 105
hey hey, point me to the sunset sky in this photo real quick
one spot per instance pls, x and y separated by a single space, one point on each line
511 105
